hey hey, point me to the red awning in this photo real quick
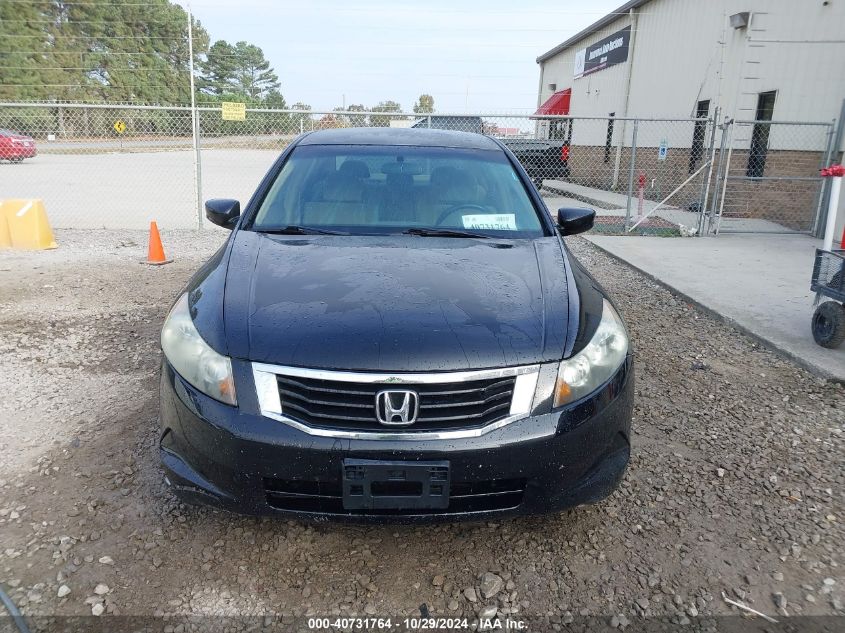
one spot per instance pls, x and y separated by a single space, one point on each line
558 103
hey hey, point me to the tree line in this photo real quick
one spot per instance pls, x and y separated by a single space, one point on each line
137 53
106 51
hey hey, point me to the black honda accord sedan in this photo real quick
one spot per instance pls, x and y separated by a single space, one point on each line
395 330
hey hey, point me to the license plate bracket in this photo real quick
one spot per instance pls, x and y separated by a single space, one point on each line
395 485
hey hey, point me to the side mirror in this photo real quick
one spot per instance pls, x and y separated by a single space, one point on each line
571 221
223 212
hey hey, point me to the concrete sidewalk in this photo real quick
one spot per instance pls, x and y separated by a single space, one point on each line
760 283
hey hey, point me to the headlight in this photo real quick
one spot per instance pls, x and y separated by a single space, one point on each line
596 363
193 358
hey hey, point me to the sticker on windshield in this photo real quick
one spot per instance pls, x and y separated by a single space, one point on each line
491 222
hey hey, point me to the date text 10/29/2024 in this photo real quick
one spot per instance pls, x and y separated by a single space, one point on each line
415 624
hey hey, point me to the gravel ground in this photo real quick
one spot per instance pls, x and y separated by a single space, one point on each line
735 486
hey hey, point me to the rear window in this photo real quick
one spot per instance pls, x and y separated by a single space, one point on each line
384 189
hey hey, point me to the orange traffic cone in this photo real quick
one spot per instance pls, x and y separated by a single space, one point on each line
155 253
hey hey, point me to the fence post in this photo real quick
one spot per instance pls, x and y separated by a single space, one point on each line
198 168
631 174
711 215
705 189
823 194
195 118
725 174
838 131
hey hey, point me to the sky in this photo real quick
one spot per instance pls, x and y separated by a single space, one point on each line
471 55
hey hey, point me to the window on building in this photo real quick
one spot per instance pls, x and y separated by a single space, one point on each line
760 135
698 133
609 140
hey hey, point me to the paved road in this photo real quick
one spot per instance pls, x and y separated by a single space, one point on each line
130 143
126 190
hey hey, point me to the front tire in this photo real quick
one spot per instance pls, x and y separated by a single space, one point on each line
829 324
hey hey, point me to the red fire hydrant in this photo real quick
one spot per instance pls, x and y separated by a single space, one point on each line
641 194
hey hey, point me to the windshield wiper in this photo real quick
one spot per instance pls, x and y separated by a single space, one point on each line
443 233
295 229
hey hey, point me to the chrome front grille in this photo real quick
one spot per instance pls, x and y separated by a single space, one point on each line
344 404
442 406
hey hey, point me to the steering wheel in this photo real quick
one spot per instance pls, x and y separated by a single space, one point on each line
455 208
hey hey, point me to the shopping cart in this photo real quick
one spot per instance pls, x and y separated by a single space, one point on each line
829 281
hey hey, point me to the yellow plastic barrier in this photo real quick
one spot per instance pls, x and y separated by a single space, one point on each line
24 225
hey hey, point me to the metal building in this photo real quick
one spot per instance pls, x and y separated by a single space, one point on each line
750 61
681 58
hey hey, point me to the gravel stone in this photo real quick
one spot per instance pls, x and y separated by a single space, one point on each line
491 584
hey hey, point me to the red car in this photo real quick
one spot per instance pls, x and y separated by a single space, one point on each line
15 147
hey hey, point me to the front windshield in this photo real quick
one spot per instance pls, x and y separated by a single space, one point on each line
364 189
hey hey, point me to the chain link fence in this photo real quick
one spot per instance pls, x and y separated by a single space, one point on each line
108 166
767 176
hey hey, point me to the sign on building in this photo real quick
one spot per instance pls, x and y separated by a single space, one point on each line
663 150
233 111
605 53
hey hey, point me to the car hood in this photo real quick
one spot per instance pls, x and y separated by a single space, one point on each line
395 303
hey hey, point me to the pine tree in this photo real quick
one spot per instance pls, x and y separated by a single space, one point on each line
97 50
219 69
253 74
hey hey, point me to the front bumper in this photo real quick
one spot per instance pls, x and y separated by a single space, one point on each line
242 461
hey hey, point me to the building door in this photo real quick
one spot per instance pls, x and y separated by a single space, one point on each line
698 133
760 135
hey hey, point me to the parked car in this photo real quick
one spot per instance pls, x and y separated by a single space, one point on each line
15 147
542 158
395 330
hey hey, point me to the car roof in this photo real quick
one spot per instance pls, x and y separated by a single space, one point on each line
400 136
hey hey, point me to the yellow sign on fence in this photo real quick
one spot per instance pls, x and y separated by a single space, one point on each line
119 126
233 111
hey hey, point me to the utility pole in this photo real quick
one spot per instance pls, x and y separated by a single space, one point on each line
195 132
